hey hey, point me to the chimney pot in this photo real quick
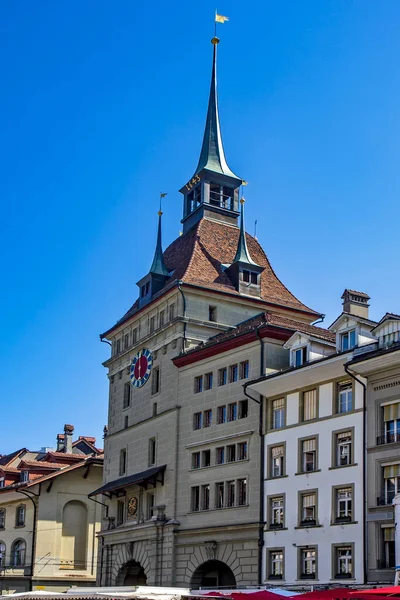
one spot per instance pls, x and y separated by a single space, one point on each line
355 303
68 431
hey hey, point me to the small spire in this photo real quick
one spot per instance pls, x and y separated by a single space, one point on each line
242 252
212 156
158 265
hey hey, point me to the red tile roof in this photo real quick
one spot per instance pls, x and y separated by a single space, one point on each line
196 258
39 464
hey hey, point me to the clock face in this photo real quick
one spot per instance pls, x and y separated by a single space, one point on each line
141 367
132 507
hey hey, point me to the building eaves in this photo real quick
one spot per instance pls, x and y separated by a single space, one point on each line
375 353
356 317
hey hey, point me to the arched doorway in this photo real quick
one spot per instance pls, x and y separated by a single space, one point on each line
212 574
132 573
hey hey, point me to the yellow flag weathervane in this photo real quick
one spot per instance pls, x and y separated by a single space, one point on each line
220 18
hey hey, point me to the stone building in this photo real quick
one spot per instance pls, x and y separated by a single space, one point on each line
181 488
47 523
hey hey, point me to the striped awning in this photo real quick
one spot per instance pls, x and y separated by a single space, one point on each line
388 534
277 451
392 471
309 445
308 500
391 412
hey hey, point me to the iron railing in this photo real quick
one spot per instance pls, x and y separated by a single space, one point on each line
387 438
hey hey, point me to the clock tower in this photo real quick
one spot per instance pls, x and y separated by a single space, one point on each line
213 191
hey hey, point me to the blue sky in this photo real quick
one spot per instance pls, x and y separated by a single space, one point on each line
103 106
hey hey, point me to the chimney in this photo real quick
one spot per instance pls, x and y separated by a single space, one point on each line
355 303
60 442
68 431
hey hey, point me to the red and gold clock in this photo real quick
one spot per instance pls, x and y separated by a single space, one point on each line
141 367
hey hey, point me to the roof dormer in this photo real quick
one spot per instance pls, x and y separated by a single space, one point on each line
353 328
388 330
305 347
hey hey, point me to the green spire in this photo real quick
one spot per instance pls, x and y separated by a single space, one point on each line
158 265
242 252
212 156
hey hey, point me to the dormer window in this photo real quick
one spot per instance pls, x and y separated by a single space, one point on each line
300 356
348 340
24 476
145 289
194 199
250 277
221 195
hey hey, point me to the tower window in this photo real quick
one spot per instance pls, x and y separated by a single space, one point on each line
221 196
250 277
194 198
212 313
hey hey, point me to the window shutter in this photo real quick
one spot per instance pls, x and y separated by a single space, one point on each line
310 405
391 412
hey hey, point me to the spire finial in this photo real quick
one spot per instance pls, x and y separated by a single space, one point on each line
158 266
242 252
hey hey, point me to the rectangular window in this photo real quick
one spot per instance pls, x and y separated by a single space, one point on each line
388 560
172 312
161 318
127 394
232 411
308 506
233 373
220 495
244 369
154 409
149 506
221 415
220 455
196 460
230 488
118 346
155 381
152 451
275 564
309 405
2 518
278 413
391 477
198 384
242 492
276 513
134 335
152 324
246 276
222 376
231 453
344 504
212 313
206 458
307 563
391 423
20 516
348 340
122 461
195 498
126 422
243 409
205 497
197 420
208 381
120 512
343 562
345 398
242 451
277 461
208 418
343 449
309 455
300 356
126 341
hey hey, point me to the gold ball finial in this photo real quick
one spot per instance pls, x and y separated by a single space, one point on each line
215 41
160 212
242 200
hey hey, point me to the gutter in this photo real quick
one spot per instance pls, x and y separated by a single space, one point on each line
33 549
364 476
262 460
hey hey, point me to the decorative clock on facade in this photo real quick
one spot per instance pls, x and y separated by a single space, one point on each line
132 507
141 367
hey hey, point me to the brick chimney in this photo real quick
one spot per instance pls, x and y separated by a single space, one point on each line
60 442
68 431
355 303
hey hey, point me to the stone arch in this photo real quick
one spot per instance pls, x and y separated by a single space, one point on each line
74 535
132 573
122 554
212 574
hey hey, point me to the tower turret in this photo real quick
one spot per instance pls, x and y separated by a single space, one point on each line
214 188
158 274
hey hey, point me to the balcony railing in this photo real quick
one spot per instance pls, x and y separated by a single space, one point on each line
276 526
343 575
385 499
275 576
388 438
308 523
384 563
307 575
343 519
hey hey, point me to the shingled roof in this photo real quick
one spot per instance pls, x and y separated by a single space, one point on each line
196 258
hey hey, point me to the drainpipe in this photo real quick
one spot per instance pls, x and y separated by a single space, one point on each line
364 479
262 460
27 494
102 539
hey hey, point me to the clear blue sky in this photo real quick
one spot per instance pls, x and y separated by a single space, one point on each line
102 106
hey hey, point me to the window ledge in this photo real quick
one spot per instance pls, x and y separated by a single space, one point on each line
307 526
234 462
308 472
344 523
19 526
343 466
273 478
275 529
196 512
